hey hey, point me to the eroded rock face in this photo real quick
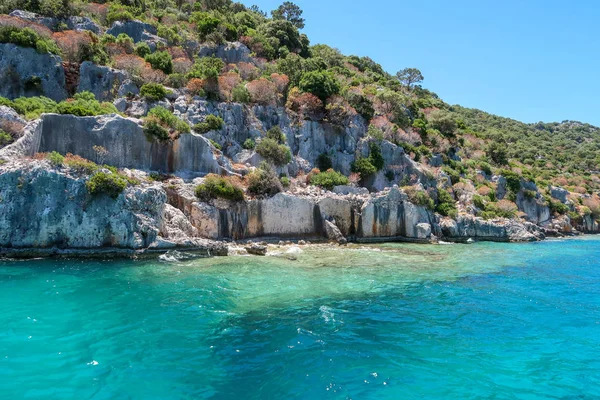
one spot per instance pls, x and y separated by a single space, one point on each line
25 72
44 210
468 227
191 155
136 30
231 53
104 82
390 214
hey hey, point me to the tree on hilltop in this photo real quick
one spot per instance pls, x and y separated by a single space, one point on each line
409 77
290 12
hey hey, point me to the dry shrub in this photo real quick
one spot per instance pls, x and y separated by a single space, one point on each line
96 10
113 50
593 203
248 71
463 190
182 65
484 190
39 156
339 110
507 206
227 82
354 178
561 181
263 91
281 82
580 190
6 20
306 105
195 86
177 52
133 64
149 74
71 43
13 128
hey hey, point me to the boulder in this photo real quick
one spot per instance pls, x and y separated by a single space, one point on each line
83 24
136 30
333 233
423 230
25 72
231 53
559 194
104 82
256 249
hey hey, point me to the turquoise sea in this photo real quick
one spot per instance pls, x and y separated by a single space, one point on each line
394 321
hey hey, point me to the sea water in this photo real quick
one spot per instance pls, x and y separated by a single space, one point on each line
394 321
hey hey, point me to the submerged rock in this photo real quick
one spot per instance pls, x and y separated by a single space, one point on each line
256 249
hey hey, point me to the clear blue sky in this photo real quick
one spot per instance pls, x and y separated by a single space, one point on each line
530 60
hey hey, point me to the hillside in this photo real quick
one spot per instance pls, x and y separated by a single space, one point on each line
220 88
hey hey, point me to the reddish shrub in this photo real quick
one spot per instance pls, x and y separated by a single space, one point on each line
71 44
248 71
263 91
195 86
177 52
97 10
281 82
182 65
227 82
131 63
306 105
6 20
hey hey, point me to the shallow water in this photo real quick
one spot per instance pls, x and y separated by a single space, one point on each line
487 320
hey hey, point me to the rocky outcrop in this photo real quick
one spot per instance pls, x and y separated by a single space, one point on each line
46 211
467 227
231 53
54 24
190 156
139 31
25 72
390 214
104 82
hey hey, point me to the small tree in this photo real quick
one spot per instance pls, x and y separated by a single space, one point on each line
290 12
321 84
409 77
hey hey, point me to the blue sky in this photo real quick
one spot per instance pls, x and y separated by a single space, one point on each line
529 60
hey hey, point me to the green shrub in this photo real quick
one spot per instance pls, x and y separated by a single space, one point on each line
162 124
446 204
31 107
324 162
376 156
285 181
263 181
362 104
56 158
479 202
453 174
276 153
389 175
215 144
240 94
211 123
176 81
27 37
118 13
321 84
419 197
364 167
106 183
513 180
328 179
249 144
5 138
153 91
206 68
161 60
142 49
85 104
215 186
276 134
